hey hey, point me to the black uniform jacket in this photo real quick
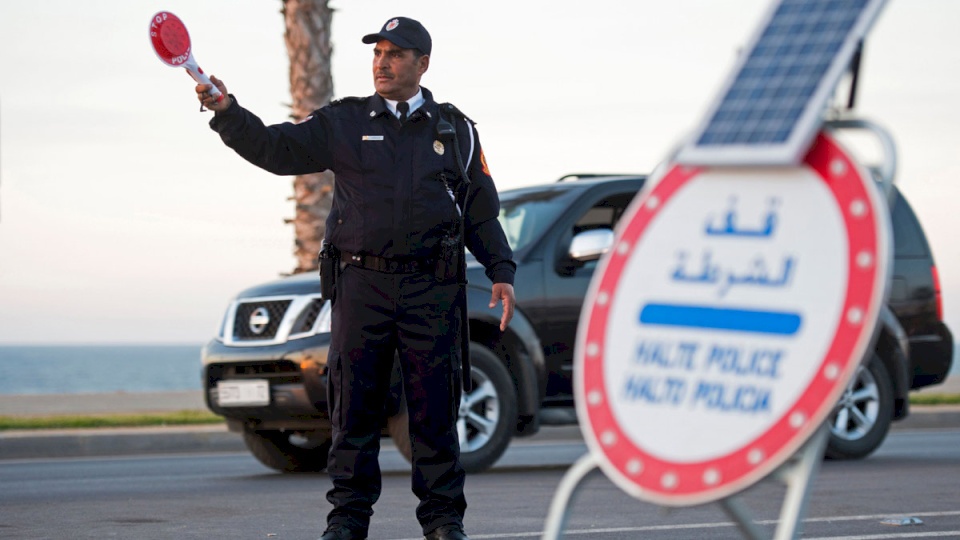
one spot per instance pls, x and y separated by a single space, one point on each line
391 195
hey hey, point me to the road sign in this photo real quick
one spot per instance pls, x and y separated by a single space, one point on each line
727 320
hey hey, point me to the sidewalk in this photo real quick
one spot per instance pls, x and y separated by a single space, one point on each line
114 402
26 444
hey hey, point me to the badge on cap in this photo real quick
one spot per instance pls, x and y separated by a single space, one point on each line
392 24
438 147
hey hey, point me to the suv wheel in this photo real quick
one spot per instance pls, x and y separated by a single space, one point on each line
488 414
288 451
862 418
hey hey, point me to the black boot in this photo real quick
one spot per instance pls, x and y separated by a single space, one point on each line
447 532
341 533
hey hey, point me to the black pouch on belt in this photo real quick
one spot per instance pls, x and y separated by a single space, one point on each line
329 262
448 260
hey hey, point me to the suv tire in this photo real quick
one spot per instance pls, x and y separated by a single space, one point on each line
862 417
284 451
487 416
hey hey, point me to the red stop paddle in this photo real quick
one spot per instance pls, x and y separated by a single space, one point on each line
171 42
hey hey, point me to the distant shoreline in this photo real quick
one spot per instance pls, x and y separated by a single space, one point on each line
197 346
85 369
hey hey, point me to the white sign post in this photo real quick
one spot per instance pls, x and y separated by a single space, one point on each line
722 328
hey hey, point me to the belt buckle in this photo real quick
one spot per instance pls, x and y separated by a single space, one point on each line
356 259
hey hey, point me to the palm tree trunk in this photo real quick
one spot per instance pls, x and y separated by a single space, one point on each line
307 37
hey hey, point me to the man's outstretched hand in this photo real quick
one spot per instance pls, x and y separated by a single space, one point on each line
208 101
503 292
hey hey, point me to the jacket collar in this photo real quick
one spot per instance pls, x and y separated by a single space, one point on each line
378 108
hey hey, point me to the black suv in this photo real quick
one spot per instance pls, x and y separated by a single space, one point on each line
266 371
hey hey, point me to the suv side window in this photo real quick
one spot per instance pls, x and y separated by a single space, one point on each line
605 214
598 217
526 215
908 240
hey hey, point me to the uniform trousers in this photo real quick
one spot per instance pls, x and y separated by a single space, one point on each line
375 316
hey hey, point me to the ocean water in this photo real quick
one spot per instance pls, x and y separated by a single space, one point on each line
77 369
80 369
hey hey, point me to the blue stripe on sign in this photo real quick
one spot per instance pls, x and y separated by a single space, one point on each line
744 320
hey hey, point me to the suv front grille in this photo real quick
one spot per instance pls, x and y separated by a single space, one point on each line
272 320
308 317
259 320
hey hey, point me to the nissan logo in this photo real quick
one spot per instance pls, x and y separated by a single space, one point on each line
259 320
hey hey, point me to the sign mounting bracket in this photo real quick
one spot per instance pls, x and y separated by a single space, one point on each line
798 474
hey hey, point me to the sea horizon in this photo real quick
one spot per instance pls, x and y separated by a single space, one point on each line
82 368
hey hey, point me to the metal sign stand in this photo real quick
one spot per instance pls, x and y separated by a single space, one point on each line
798 474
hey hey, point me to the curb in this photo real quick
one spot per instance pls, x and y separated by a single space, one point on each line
930 417
106 442
118 442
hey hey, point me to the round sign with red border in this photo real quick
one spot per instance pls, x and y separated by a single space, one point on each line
726 322
170 38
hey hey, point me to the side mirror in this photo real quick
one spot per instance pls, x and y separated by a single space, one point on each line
591 245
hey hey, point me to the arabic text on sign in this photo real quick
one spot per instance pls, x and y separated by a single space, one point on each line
729 226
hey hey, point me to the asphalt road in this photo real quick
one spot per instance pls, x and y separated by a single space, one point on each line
229 495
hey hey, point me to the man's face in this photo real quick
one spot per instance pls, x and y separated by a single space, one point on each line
397 71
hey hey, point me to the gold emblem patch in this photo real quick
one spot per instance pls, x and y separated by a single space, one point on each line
438 147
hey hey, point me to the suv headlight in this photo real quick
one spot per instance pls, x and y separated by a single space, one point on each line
323 319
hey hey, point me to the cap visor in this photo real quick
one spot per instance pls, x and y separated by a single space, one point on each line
402 43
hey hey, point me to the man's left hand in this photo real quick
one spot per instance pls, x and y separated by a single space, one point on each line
503 292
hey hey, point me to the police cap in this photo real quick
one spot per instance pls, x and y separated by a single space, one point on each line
403 32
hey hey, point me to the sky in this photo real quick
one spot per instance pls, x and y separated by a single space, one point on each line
123 218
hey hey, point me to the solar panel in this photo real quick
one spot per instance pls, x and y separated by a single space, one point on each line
770 108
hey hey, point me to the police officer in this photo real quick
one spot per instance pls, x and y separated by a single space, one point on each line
408 196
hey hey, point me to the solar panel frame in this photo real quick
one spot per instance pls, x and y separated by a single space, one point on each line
709 144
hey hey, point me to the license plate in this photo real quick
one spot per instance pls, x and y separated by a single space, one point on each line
243 393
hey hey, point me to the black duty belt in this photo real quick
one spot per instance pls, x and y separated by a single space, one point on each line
390 266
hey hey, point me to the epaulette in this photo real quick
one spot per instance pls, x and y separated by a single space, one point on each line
348 99
452 109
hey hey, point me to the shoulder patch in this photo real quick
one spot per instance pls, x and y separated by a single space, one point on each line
452 109
348 99
483 164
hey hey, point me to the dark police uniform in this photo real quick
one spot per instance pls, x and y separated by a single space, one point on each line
392 211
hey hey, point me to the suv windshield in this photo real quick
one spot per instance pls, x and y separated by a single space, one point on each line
526 214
